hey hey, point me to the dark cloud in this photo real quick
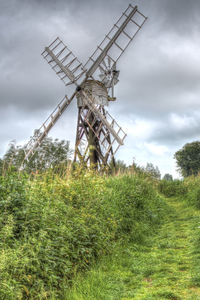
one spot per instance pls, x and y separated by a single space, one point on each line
179 15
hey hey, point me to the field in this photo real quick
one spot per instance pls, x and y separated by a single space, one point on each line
85 236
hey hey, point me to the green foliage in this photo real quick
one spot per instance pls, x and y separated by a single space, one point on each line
193 200
53 227
188 159
168 177
50 154
156 270
118 166
1 167
193 186
173 188
189 188
135 202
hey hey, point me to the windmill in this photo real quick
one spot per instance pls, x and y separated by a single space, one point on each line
98 136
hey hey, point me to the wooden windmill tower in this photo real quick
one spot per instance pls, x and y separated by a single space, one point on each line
98 135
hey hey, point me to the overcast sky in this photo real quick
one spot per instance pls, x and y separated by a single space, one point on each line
158 102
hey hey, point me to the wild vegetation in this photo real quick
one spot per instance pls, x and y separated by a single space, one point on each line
173 188
165 266
187 159
51 154
188 189
75 234
52 226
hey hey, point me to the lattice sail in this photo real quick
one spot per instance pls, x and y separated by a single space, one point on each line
116 41
42 132
63 62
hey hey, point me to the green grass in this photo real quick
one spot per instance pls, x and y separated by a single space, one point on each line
167 266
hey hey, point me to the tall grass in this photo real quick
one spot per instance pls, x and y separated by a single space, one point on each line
52 227
193 195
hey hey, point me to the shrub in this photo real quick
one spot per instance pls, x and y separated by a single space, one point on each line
136 204
173 188
193 186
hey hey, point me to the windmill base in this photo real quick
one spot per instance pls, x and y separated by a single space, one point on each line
93 142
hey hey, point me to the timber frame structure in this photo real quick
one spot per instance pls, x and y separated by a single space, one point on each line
98 135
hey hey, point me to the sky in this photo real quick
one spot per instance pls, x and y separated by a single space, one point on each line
158 95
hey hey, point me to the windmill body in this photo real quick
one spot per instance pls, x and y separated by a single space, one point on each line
98 136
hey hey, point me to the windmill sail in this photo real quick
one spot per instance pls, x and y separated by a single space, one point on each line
42 132
117 40
63 62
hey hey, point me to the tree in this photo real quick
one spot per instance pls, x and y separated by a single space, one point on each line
14 155
168 177
119 166
50 154
1 166
188 159
153 171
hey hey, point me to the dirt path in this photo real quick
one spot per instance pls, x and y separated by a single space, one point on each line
167 268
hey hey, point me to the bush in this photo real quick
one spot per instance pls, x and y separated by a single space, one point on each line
53 227
193 195
136 205
173 188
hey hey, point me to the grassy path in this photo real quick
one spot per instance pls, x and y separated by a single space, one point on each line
162 269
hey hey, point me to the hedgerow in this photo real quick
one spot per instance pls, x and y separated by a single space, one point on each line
193 186
173 188
52 227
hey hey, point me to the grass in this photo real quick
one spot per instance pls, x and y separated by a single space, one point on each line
167 266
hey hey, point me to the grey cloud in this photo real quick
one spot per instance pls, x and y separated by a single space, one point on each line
180 14
177 129
158 83
25 80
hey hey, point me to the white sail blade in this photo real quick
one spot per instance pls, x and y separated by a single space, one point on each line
117 40
64 62
43 131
